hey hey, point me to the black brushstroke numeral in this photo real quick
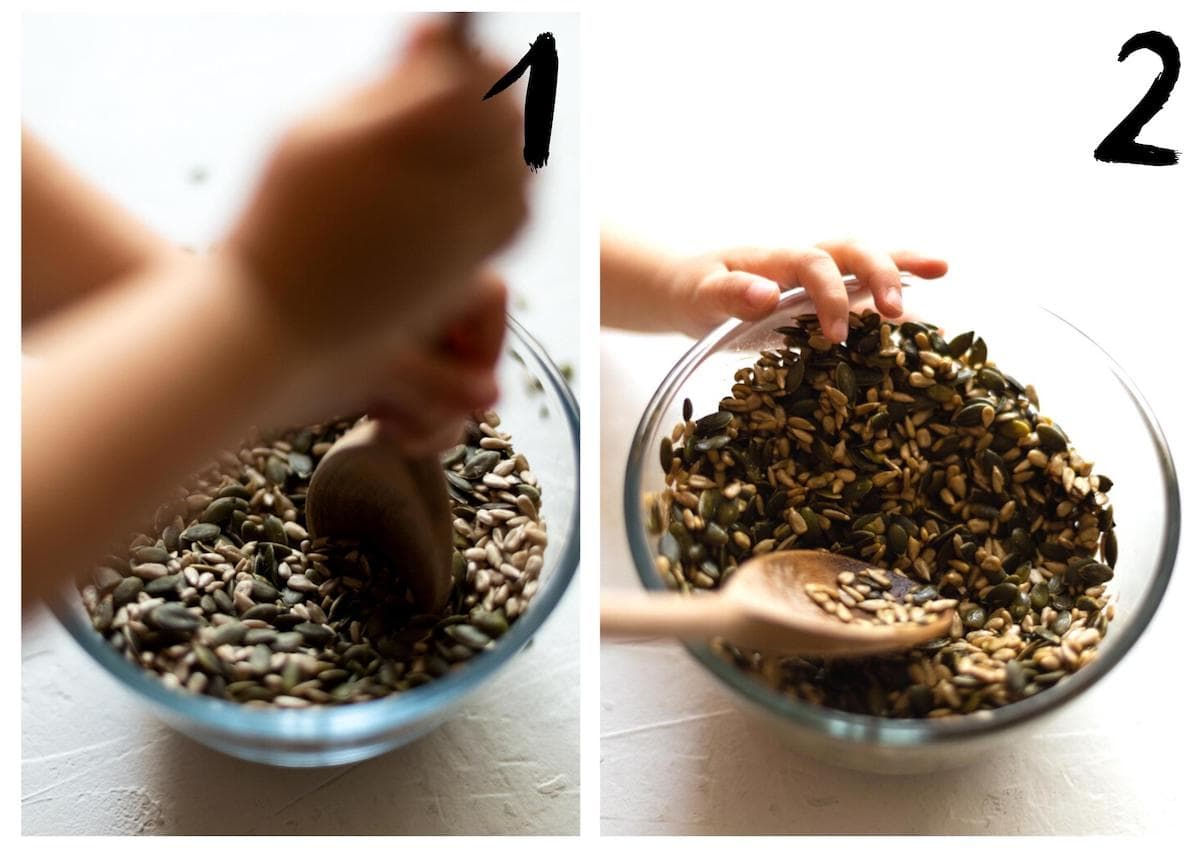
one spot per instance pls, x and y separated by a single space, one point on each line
542 62
1121 145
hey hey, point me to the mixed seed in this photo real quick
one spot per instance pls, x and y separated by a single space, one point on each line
227 595
915 454
874 593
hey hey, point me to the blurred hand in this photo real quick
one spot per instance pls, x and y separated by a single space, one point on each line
375 213
427 393
745 283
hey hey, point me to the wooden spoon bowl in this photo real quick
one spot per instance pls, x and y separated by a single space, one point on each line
367 489
764 605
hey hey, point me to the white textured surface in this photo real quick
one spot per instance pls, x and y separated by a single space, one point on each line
136 104
971 135
96 762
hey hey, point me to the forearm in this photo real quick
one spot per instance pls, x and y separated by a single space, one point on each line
74 238
130 392
634 285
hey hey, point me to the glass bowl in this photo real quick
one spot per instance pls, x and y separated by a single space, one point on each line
539 410
1075 379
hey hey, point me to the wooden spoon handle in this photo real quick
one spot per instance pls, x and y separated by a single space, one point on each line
696 616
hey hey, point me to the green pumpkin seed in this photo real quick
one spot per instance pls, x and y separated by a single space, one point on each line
273 530
1001 595
471 637
960 344
277 470
979 353
1095 573
221 510
173 617
713 423
203 532
843 378
1110 548
126 591
1051 438
150 553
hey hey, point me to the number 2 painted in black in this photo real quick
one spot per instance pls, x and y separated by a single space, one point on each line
1121 145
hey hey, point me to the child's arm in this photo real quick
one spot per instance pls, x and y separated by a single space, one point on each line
74 238
644 289
366 235
136 388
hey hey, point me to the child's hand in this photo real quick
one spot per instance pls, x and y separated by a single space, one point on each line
745 283
427 393
375 213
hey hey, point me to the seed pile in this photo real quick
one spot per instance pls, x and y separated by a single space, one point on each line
226 594
916 455
871 591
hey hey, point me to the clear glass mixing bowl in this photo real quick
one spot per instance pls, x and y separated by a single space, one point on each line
537 407
1078 384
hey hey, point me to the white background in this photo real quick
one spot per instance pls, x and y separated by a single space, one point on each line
138 105
966 131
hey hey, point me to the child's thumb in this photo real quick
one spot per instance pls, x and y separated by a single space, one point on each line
442 32
476 335
739 294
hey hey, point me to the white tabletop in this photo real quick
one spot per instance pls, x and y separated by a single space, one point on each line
144 106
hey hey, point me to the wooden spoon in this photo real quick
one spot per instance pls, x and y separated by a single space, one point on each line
365 488
763 605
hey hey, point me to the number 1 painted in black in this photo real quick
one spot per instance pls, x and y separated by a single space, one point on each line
542 62
1121 145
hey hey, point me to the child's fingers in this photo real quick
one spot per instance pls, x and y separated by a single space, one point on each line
413 438
444 385
432 388
418 410
925 267
737 293
874 268
815 270
436 441
477 335
439 32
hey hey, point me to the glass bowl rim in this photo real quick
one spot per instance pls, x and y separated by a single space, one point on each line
335 724
901 732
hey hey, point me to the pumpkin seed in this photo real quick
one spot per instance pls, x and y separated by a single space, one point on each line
713 423
843 378
1051 438
204 533
1110 548
176 617
220 510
